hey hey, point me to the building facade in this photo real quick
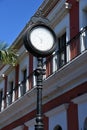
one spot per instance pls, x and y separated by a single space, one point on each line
65 83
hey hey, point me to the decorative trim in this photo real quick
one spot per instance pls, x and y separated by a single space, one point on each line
30 123
57 110
58 13
80 99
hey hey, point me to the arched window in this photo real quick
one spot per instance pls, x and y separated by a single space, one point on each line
58 127
85 124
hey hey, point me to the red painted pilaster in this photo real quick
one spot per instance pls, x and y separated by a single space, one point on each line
49 66
72 117
16 81
30 70
46 123
5 90
74 26
25 128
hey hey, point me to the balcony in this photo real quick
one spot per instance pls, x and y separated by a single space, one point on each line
65 69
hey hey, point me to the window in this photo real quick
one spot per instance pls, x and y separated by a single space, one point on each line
83 38
23 84
85 124
62 49
1 94
84 12
58 127
10 93
24 80
59 56
34 68
55 64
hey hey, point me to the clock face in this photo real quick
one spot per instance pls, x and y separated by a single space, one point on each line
41 38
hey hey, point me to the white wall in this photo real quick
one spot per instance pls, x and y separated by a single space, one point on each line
31 124
18 128
82 109
59 119
83 23
58 116
82 113
82 17
60 29
31 127
11 77
2 84
64 25
23 64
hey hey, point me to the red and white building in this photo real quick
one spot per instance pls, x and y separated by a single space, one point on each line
65 82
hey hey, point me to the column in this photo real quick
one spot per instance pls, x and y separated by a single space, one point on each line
46 123
30 71
25 127
5 91
74 27
16 81
72 117
48 66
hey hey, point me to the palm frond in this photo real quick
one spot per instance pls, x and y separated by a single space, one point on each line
8 55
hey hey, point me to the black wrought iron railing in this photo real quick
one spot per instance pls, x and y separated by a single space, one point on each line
73 48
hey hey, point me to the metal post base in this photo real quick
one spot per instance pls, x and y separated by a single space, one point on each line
39 72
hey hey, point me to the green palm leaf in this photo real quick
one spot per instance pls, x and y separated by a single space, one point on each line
8 55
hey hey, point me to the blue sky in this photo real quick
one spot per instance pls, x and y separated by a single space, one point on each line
14 14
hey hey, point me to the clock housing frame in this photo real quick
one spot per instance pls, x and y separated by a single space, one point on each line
34 51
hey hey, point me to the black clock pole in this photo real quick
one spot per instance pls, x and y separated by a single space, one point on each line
39 72
47 48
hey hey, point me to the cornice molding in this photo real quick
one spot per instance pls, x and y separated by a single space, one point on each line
80 99
58 12
57 110
49 6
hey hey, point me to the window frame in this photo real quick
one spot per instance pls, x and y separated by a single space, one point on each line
1 98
